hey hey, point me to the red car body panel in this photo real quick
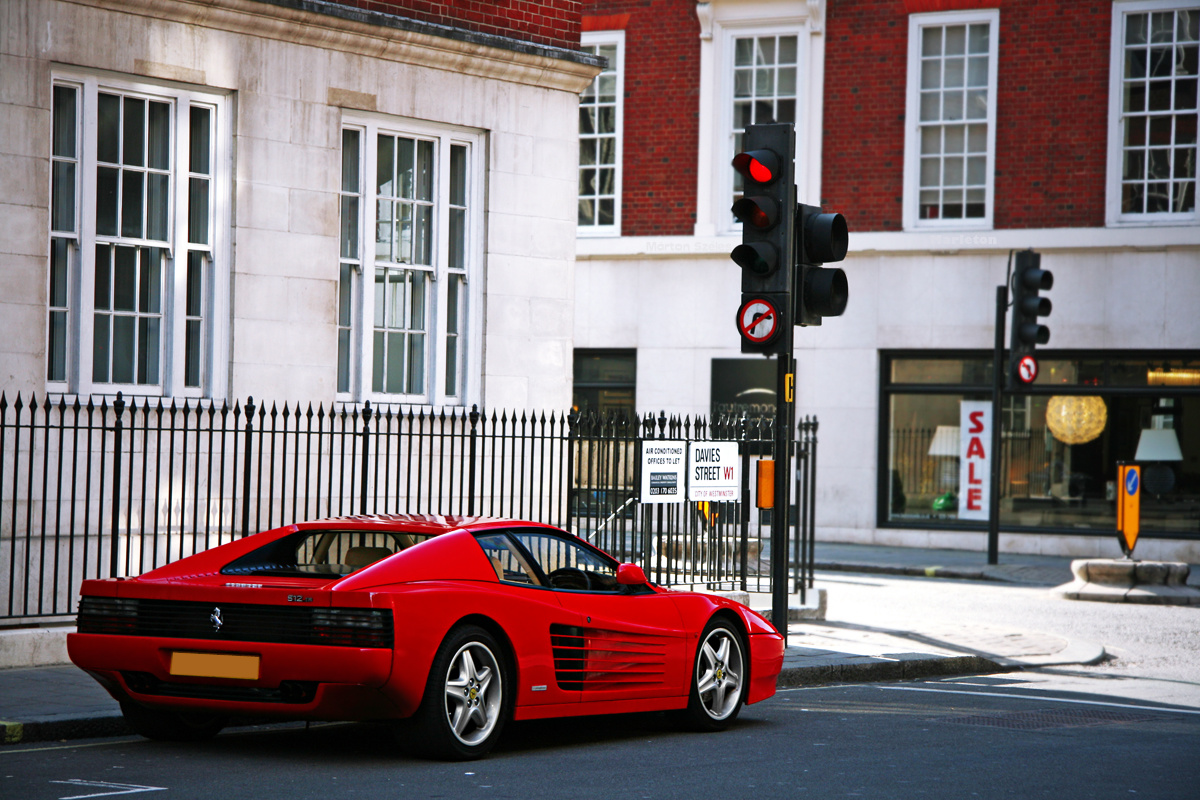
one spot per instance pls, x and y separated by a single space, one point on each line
639 648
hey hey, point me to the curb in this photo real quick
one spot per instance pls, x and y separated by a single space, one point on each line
956 573
890 667
61 729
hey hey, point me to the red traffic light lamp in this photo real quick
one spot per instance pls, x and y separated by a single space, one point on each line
767 213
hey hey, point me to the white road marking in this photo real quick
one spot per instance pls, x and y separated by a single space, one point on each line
114 788
1040 698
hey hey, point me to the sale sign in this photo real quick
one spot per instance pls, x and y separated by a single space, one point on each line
975 445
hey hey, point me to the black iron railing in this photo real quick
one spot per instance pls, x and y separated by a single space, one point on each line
111 487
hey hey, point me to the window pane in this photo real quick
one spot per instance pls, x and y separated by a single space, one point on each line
458 238
123 344
424 174
158 206
64 122
159 139
62 203
349 232
416 314
344 296
423 236
108 129
385 166
198 215
350 161
132 204
56 357
379 352
100 351
395 363
343 379
416 364
458 175
134 145
195 284
103 282
404 167
150 284
148 351
125 279
192 354
200 138
106 200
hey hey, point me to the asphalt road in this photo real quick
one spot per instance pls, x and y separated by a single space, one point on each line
991 736
1129 726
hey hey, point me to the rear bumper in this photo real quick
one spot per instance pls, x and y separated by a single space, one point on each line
294 681
766 662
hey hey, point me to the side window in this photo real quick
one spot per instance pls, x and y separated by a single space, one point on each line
950 135
569 565
1152 114
510 564
600 108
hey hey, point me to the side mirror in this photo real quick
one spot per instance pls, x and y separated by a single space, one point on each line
630 575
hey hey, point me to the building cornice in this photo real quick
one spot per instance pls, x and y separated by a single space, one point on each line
374 34
886 243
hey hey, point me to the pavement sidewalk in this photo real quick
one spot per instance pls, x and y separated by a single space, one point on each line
62 702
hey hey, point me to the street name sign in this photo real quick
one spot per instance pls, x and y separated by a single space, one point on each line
714 471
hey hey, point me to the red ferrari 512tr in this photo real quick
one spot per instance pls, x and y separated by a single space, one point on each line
454 624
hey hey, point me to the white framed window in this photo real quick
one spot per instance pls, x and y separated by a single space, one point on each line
950 135
138 229
601 125
760 61
765 87
410 263
1153 113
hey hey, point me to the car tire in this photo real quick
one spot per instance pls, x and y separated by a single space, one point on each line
719 677
172 726
468 698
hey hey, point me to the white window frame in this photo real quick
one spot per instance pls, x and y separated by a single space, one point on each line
1114 217
912 131
617 39
470 342
214 343
721 22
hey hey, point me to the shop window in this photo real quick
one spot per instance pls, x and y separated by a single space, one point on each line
1061 442
605 382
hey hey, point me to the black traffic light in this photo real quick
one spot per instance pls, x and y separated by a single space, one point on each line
766 210
819 291
1027 333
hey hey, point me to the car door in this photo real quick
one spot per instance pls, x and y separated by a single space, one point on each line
625 643
528 609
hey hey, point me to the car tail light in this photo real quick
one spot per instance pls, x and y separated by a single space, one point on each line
111 615
353 627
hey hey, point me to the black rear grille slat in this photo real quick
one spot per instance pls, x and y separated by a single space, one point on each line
290 692
240 622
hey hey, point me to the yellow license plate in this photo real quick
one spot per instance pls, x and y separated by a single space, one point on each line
214 665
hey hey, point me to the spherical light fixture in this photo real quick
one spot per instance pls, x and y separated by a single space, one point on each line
1076 420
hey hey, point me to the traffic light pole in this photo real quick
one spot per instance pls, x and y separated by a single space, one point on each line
784 403
998 377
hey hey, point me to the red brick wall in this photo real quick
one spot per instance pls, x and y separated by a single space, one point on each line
662 106
549 22
1052 110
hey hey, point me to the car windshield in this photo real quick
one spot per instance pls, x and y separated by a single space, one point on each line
324 553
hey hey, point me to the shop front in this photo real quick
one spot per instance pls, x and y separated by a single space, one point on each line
1062 439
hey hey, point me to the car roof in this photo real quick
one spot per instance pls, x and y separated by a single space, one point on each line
425 524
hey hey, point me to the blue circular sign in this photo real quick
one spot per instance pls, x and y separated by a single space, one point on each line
1131 482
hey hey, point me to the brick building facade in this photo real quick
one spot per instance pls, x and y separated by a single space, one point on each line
951 134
